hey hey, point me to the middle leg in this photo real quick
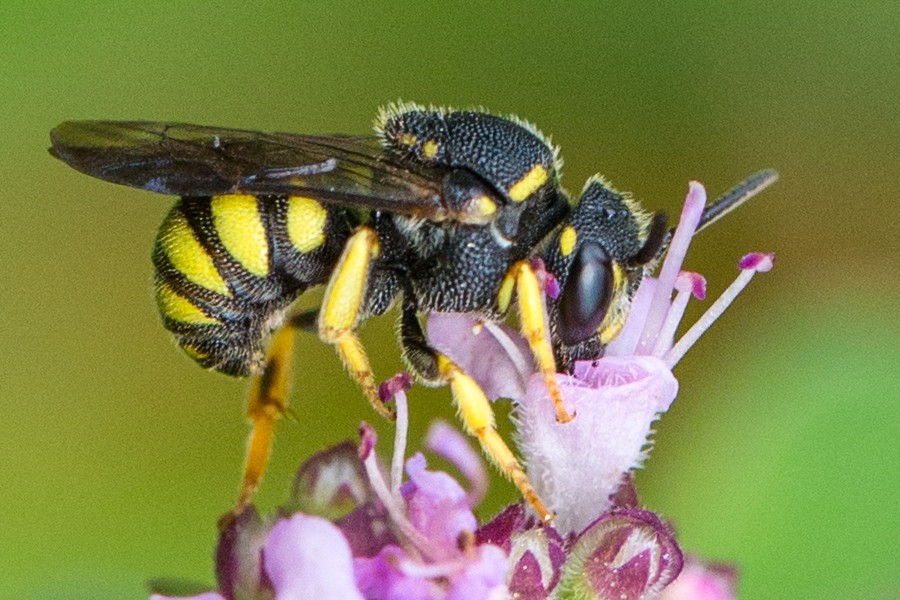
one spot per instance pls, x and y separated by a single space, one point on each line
472 405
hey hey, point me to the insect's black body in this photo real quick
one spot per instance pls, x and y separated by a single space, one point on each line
238 313
455 198
441 209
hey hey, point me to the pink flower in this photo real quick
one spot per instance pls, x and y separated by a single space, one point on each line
577 466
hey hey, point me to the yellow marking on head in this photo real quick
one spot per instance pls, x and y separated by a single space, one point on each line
430 149
188 256
526 186
484 206
504 296
306 223
611 331
407 139
615 317
567 240
240 227
178 308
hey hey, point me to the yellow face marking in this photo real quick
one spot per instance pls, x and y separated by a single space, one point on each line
178 308
188 256
306 223
406 139
567 240
614 320
611 331
430 149
504 296
239 225
526 186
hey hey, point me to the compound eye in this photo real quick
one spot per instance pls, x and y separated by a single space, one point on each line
586 295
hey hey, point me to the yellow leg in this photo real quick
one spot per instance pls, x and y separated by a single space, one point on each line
478 418
534 329
267 403
340 310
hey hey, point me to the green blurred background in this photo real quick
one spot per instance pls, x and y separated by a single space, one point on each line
782 452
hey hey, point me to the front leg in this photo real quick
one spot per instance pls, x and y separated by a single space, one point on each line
533 324
472 405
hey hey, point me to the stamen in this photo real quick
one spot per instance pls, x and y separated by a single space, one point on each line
401 430
687 284
394 388
681 240
523 365
395 509
750 264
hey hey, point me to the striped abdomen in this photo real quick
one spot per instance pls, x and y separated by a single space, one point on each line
227 266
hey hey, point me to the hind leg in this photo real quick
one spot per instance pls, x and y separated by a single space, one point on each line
268 403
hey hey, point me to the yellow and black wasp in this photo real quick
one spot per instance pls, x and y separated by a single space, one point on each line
441 210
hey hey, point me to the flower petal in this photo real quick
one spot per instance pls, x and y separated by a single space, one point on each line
615 400
454 447
703 581
438 507
383 578
307 558
483 576
493 354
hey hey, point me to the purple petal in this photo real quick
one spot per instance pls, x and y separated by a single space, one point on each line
383 578
494 355
615 400
703 581
482 578
694 204
438 507
499 531
628 554
453 446
307 558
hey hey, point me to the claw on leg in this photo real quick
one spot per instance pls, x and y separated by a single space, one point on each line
534 328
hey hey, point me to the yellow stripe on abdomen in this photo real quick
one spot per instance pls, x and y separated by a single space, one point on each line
180 309
240 227
305 223
188 256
